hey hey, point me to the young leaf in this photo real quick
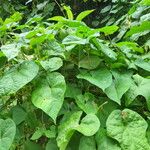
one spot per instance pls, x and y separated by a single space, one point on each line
8 131
144 26
49 94
83 14
102 78
128 128
16 78
108 29
57 18
69 12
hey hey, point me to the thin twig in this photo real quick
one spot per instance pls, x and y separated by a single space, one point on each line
60 7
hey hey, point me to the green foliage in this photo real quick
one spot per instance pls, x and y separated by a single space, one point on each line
66 85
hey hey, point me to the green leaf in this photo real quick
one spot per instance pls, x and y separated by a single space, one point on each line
140 86
29 145
104 142
66 130
89 125
51 145
145 2
104 49
72 91
86 103
10 50
52 64
69 12
131 46
120 85
102 78
16 78
57 18
49 94
83 14
108 29
144 26
8 131
71 39
143 64
129 129
89 62
37 134
87 143
18 114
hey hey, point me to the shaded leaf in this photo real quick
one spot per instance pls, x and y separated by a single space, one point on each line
104 142
89 62
87 143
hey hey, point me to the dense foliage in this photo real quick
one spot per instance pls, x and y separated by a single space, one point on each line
70 84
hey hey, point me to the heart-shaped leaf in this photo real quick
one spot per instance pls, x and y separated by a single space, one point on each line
7 132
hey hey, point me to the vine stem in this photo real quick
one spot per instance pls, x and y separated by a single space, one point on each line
60 7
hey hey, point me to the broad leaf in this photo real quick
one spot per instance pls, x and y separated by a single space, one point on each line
140 86
89 125
66 130
120 85
86 103
16 78
49 94
143 64
52 64
102 78
10 50
7 131
129 129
